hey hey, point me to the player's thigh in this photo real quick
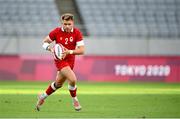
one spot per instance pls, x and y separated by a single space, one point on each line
69 74
60 79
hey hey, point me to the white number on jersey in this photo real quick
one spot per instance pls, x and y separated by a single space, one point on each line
66 41
70 39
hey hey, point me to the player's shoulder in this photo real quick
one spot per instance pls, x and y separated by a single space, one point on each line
57 29
77 30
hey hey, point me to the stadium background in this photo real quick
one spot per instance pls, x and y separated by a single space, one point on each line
146 32
126 41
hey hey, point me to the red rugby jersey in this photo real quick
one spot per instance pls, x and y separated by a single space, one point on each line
68 40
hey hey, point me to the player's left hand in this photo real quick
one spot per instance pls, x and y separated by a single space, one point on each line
65 53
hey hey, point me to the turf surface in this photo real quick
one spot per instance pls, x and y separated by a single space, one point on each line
99 100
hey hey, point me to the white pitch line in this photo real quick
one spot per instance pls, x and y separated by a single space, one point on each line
30 91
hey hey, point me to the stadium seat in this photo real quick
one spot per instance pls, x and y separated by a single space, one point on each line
131 18
27 17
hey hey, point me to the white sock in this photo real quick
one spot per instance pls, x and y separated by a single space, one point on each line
72 87
53 86
43 95
75 98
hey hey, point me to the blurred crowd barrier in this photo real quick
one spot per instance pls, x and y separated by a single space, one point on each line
93 68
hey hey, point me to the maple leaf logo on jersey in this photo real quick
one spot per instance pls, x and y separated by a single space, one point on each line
71 39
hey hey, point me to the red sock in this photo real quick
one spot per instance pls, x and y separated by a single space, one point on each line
73 92
50 89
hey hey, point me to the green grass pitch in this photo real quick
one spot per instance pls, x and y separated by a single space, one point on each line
98 100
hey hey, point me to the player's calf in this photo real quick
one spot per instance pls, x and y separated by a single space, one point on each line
76 103
41 97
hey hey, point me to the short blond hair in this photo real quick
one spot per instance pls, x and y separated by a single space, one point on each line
67 17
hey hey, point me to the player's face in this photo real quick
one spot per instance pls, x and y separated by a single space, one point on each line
67 25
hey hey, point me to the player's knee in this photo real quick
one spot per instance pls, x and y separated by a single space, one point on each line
73 82
58 85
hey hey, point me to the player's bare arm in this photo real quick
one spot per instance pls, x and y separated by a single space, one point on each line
46 44
78 51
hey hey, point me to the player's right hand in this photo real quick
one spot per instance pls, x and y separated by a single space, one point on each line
65 53
51 49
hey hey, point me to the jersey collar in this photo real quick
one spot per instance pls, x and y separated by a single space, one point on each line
63 29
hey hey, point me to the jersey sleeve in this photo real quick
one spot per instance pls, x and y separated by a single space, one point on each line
79 41
79 36
52 34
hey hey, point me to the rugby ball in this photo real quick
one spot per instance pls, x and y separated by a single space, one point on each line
58 50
